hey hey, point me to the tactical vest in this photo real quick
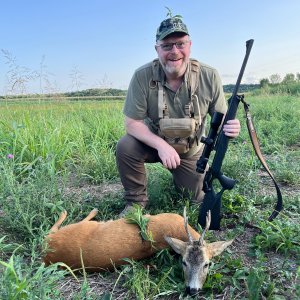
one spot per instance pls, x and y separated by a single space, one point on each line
181 133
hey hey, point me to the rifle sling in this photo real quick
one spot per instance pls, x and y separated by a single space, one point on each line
254 140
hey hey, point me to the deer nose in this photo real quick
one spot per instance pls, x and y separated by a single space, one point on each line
191 291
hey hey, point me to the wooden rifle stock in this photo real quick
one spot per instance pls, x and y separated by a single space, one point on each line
219 143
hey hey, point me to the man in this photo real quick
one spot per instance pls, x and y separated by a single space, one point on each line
165 113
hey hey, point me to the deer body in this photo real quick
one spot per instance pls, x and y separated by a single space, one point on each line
104 244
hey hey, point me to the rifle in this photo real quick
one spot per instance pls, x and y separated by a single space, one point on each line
218 141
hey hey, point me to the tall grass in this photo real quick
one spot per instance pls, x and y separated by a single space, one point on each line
43 145
63 134
276 119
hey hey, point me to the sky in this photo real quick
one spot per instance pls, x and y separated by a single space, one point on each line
81 44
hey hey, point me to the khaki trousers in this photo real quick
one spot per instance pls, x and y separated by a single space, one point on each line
131 157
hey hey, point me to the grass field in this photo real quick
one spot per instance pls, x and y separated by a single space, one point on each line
61 155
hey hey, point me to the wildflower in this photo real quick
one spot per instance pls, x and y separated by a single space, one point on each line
10 156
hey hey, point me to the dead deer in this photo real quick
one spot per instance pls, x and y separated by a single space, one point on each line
105 244
102 245
196 255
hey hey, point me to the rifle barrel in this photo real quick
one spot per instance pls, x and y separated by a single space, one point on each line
249 45
234 100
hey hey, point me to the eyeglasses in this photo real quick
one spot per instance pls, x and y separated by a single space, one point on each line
169 46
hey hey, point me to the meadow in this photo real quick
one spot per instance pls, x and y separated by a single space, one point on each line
60 155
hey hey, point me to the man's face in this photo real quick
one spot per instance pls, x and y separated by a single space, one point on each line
174 57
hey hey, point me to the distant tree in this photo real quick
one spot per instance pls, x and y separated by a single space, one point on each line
244 87
264 82
275 78
288 78
298 76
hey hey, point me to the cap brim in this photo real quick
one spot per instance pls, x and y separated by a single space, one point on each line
165 34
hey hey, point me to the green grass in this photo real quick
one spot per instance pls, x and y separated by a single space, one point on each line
63 134
58 145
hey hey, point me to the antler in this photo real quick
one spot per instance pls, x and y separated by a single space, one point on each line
207 224
186 226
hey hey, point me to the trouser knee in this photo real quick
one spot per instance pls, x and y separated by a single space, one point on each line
124 146
130 163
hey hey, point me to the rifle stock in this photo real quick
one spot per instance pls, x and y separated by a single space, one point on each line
219 143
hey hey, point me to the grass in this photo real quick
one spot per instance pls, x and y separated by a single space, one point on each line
63 134
50 148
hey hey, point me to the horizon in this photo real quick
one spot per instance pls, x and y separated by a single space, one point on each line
82 45
46 95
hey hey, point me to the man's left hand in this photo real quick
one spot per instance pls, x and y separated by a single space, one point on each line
232 128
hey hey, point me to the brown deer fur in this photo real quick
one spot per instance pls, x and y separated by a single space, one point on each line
104 244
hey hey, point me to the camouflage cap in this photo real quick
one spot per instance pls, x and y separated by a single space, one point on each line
169 26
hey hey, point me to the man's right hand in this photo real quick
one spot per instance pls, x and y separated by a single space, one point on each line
168 155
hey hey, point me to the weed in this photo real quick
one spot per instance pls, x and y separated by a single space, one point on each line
138 279
136 217
254 283
281 235
22 281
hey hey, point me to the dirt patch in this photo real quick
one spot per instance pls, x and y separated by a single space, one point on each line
98 284
92 191
267 186
241 245
295 146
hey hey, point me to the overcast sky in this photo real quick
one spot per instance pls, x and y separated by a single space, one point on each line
103 42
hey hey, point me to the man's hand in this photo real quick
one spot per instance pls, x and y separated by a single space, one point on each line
232 128
169 157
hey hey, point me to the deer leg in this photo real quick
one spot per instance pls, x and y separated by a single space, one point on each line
61 218
91 215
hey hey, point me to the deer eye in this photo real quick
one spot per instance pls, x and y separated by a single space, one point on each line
206 265
184 263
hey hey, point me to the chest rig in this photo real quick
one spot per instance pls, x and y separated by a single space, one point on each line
181 133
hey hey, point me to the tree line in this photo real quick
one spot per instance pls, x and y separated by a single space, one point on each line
290 84
18 78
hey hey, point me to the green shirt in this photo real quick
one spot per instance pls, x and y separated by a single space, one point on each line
142 97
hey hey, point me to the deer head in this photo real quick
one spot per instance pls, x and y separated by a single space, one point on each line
196 255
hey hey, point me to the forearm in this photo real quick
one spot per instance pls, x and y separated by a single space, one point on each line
168 155
141 132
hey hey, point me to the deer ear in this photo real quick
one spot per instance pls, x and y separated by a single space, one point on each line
177 245
217 248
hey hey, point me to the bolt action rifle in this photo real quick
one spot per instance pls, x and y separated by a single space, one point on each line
218 141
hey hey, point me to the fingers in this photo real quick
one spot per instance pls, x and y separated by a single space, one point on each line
171 162
169 157
232 128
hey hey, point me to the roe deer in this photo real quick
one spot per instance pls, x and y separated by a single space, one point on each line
105 244
196 255
102 245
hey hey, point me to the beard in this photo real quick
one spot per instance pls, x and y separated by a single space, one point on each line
174 71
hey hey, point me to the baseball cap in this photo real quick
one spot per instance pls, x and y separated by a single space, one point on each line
169 26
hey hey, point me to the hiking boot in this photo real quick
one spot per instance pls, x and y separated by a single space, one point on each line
129 208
